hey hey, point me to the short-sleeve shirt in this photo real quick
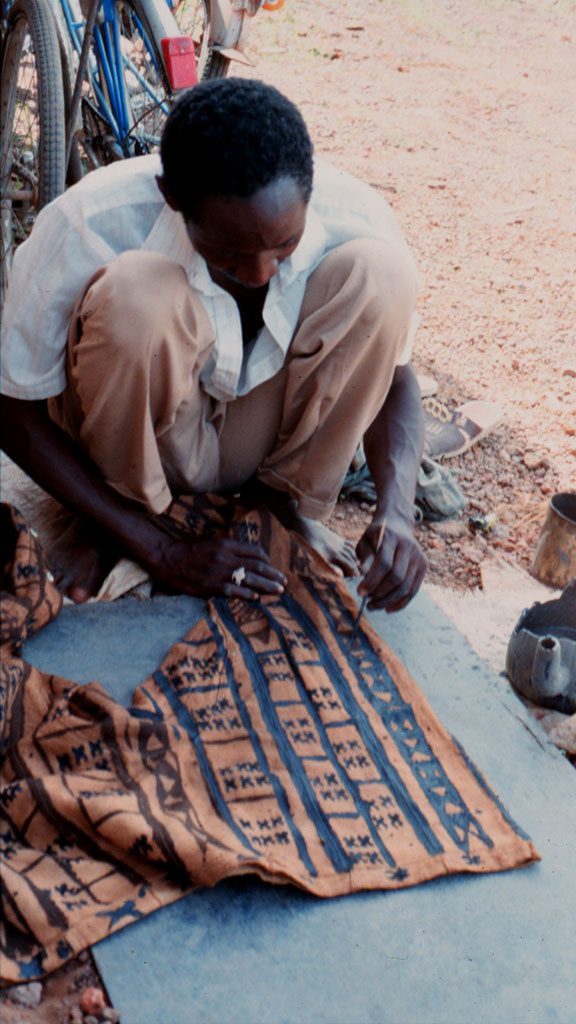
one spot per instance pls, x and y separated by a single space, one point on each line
120 207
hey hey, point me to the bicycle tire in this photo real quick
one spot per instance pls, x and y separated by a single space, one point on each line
217 66
75 169
194 18
32 121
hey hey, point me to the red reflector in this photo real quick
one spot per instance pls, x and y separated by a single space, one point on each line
180 60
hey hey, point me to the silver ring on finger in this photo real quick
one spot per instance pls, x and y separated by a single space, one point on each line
239 575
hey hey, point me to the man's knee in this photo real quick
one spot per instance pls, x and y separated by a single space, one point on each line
364 291
129 302
373 269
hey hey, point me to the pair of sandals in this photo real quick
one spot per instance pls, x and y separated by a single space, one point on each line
447 433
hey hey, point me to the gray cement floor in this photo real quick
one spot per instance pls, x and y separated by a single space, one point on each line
489 949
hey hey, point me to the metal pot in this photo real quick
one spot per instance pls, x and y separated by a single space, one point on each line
541 657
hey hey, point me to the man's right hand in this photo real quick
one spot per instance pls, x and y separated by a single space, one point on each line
110 525
205 568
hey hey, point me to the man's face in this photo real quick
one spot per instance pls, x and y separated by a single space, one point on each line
245 240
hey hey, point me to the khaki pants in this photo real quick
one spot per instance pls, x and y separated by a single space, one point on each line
140 336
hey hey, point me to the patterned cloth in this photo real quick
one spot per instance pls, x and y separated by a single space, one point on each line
264 743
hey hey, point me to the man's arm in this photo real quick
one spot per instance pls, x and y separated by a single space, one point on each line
56 463
393 445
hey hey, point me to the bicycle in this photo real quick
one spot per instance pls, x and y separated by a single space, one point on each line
87 82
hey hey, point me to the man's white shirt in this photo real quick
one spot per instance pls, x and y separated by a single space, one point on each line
120 207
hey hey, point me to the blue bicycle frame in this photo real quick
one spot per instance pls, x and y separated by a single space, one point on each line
107 66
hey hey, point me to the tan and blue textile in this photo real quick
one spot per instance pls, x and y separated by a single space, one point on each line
264 743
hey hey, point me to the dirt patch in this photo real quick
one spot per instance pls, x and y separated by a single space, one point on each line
507 482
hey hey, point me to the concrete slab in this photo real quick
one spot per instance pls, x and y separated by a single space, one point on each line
492 949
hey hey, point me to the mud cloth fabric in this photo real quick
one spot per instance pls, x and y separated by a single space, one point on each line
264 743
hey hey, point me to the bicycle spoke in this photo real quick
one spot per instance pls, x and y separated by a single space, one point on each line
193 20
19 158
146 94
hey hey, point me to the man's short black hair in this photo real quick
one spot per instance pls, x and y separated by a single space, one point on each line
231 137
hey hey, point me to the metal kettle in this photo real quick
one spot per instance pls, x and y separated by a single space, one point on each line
541 656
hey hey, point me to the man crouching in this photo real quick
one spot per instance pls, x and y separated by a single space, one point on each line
227 317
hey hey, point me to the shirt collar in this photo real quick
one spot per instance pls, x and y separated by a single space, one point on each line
169 236
307 253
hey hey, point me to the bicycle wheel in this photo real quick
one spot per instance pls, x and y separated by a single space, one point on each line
194 18
123 115
148 93
32 154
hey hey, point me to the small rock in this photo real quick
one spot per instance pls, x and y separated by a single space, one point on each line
75 1016
531 460
471 554
450 529
91 1019
552 403
437 544
92 1001
111 1014
569 370
26 995
501 532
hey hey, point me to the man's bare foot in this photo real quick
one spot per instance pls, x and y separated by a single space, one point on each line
81 559
336 550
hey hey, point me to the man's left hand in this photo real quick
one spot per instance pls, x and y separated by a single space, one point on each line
394 572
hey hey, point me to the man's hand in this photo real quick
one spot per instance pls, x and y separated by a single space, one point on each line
394 572
83 556
213 567
109 524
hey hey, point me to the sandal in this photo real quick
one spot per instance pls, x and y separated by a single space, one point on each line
358 484
449 433
438 495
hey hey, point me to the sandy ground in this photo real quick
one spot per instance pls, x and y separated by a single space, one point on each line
462 113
